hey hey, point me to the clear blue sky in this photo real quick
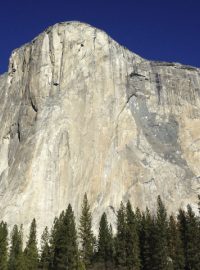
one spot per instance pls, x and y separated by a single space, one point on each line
167 30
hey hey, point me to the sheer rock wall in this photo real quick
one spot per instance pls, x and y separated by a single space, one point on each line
80 113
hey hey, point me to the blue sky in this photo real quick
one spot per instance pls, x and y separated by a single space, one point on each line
155 29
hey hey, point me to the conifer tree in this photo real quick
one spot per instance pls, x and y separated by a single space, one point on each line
138 217
86 234
45 257
31 251
120 239
192 238
160 253
175 245
3 246
132 240
71 233
54 237
65 242
147 240
182 227
16 258
105 243
111 243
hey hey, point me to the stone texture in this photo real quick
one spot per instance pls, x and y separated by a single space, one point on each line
80 113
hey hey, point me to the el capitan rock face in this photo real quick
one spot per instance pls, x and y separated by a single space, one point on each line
80 113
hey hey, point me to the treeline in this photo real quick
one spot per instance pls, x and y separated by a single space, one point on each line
142 241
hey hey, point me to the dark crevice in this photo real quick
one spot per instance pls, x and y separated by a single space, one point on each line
132 95
128 99
136 74
149 181
13 68
94 38
18 132
33 106
158 86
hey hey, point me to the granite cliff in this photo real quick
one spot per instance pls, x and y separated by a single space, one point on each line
80 113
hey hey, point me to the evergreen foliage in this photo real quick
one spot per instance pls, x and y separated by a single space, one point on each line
54 238
31 251
45 256
176 252
16 258
132 240
3 246
120 240
86 234
65 242
192 239
143 241
146 240
138 217
182 227
160 259
105 243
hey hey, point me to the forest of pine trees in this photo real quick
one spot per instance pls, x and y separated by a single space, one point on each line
143 241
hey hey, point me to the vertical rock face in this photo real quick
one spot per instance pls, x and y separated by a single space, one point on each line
80 113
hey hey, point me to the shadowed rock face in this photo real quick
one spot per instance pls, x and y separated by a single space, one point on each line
80 113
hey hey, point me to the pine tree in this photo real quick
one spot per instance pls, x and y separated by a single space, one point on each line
160 258
138 218
31 251
86 234
71 233
3 246
45 257
16 258
176 252
52 240
112 250
105 243
147 240
65 242
192 238
55 231
182 227
132 240
120 240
